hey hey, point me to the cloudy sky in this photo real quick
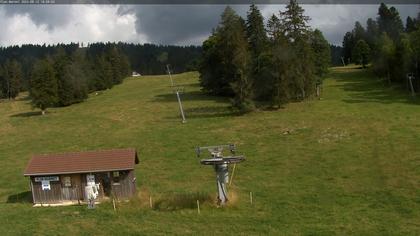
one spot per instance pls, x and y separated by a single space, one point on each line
161 24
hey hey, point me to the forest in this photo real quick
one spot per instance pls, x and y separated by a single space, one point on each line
392 49
64 74
257 64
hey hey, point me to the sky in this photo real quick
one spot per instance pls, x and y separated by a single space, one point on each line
158 24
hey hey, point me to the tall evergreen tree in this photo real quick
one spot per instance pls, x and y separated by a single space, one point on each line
242 83
43 83
258 42
294 22
389 21
372 32
12 78
359 32
348 44
322 54
411 25
361 53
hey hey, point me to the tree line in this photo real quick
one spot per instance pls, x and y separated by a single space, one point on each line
63 74
257 64
392 48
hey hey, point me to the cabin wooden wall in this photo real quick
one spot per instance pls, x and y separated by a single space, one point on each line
123 189
126 187
58 192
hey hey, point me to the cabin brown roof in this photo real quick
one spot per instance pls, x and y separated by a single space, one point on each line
82 162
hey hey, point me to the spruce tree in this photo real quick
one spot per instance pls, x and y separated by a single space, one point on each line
12 77
258 42
361 53
242 83
348 44
294 23
43 83
322 54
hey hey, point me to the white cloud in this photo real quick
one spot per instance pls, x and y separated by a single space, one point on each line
182 25
85 23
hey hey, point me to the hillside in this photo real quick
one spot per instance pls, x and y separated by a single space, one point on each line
345 164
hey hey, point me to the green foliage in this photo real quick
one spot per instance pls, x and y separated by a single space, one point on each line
361 53
348 45
322 53
11 79
392 48
274 65
258 44
44 85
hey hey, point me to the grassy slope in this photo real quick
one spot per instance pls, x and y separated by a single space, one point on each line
350 164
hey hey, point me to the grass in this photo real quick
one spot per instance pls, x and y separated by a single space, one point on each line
347 164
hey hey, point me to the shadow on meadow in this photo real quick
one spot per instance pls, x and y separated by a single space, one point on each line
179 201
362 88
189 96
27 114
23 197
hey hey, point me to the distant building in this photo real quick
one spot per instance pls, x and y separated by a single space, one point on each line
58 179
135 74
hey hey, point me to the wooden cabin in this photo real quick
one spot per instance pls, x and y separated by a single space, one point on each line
59 179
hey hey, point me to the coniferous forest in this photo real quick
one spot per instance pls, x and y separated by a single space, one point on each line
64 74
282 61
392 49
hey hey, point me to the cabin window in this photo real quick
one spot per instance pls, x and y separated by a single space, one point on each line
116 176
67 181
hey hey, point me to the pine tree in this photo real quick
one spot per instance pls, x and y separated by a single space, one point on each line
389 21
358 32
361 53
322 54
242 83
64 86
12 78
372 32
411 25
2 83
294 22
258 42
348 44
43 83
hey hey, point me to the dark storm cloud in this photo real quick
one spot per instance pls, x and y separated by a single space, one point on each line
180 24
176 24
190 24
52 16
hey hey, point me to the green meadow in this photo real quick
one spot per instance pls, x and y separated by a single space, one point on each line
347 164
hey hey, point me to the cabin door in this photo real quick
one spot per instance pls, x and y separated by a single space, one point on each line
104 179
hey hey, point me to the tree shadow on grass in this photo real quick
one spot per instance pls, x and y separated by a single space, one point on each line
23 197
208 112
179 201
189 96
27 114
363 89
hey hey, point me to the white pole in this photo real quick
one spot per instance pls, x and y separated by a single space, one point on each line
250 197
198 207
231 177
411 86
150 202
180 107
170 76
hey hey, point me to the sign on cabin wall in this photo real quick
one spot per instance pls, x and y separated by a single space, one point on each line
46 178
45 185
67 181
